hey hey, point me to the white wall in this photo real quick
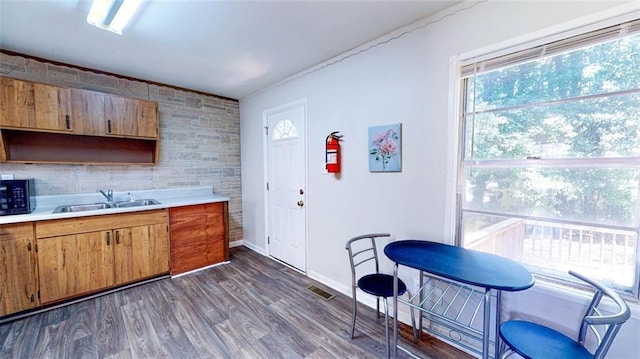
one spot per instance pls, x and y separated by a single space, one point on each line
403 80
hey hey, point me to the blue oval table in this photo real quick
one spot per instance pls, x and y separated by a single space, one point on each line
462 265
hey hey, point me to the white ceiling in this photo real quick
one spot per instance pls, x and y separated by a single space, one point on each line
228 48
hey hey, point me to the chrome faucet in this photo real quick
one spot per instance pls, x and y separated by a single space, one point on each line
108 195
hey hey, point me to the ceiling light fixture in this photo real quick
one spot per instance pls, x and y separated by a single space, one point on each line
112 15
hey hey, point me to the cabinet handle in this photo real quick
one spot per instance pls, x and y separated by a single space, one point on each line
108 238
117 237
109 126
68 122
29 246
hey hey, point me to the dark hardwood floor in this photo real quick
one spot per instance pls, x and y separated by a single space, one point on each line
253 307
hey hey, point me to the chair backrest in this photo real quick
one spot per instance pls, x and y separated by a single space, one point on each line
605 327
362 249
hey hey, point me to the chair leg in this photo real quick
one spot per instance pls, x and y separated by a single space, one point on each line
413 321
507 353
355 311
377 307
386 326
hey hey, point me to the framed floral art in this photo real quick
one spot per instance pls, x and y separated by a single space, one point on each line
385 148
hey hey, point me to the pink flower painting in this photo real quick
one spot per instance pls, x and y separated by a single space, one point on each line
384 148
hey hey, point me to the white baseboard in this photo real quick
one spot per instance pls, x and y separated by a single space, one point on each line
346 290
249 245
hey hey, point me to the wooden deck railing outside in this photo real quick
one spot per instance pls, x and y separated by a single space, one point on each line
558 246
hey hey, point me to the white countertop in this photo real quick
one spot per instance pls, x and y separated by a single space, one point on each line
173 197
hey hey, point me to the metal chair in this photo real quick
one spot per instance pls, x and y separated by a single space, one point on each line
362 249
531 340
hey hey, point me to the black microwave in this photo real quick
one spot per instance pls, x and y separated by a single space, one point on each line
17 196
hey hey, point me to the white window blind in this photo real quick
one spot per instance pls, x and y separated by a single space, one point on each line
471 67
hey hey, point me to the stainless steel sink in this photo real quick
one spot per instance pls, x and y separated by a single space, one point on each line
136 203
81 207
104 205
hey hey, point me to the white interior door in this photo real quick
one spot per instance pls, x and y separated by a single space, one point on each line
286 186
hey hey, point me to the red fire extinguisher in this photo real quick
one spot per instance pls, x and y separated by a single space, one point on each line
332 152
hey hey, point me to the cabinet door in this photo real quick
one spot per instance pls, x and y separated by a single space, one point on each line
88 113
198 236
16 103
141 252
74 264
35 106
52 108
147 119
129 117
17 268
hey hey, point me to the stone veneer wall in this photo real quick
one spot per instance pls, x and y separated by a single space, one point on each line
199 140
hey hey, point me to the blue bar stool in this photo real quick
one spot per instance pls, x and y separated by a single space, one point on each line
531 340
362 249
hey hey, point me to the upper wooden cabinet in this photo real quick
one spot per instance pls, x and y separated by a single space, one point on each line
44 107
37 119
127 117
17 106
52 108
34 106
100 114
88 112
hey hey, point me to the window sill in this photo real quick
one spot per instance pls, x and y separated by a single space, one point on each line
578 296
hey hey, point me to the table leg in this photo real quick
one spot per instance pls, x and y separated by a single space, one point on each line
395 311
486 323
421 297
498 322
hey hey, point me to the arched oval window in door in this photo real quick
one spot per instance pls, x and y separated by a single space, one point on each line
284 129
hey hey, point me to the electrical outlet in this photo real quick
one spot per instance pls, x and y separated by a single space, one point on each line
7 176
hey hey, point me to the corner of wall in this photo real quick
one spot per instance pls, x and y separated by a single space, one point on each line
249 245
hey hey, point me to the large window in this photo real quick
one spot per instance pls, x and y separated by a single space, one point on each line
550 158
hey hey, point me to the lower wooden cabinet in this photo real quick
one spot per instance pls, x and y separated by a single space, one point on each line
74 264
79 256
50 261
141 252
199 236
17 268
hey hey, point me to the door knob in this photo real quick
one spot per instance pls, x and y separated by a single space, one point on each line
300 204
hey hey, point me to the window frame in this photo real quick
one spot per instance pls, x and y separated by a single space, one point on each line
458 101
